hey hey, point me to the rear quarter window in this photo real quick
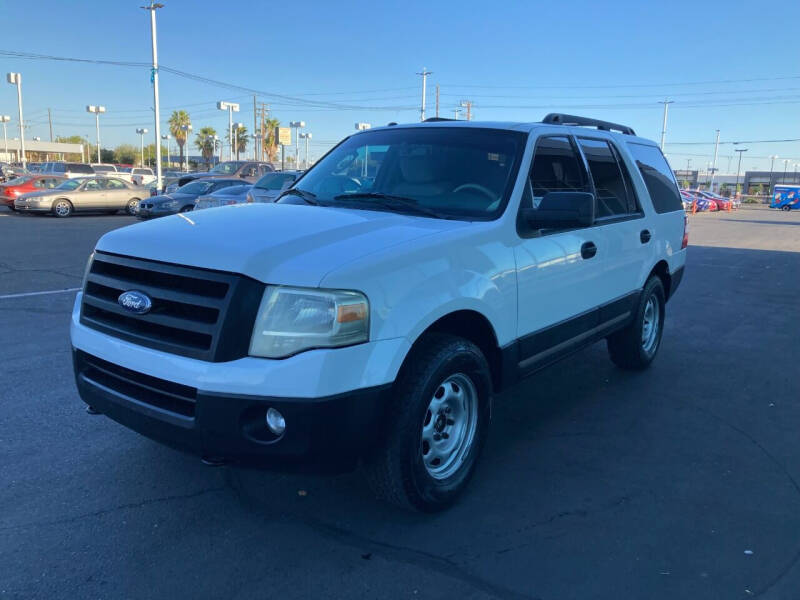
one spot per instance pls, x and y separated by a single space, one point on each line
658 177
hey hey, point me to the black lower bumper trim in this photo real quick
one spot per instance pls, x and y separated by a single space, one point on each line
320 432
675 280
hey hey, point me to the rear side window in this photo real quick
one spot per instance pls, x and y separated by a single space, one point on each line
657 177
79 168
610 190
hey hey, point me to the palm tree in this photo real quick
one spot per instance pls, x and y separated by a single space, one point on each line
205 142
241 140
270 142
176 120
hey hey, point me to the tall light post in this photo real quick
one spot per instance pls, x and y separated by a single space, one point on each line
236 128
306 137
739 167
771 168
714 165
167 137
666 104
231 107
186 129
256 137
785 166
297 126
141 131
16 79
97 110
153 7
424 76
5 119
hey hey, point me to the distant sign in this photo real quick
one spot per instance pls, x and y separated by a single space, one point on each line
284 136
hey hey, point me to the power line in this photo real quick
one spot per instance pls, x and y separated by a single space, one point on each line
625 85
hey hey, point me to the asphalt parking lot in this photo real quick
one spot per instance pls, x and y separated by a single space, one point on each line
680 482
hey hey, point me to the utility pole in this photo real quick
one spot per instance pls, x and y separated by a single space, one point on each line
263 131
714 164
666 104
255 127
437 100
50 121
739 168
468 105
153 7
424 76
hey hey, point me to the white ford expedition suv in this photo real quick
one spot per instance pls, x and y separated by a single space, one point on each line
372 312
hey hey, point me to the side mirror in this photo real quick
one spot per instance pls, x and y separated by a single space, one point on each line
562 210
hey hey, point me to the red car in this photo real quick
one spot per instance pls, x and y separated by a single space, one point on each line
25 184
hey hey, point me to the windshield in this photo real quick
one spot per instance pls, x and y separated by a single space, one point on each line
69 184
195 187
450 172
227 168
19 180
275 181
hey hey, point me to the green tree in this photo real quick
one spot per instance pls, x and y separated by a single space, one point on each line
126 154
270 141
107 155
76 139
204 141
150 155
176 120
241 140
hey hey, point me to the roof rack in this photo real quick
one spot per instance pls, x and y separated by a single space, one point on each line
436 119
562 119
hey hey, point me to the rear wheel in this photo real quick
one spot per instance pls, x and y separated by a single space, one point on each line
438 420
62 208
786 207
636 346
132 207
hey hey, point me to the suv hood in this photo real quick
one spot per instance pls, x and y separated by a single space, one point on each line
273 243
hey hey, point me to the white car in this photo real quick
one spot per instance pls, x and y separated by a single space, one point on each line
374 318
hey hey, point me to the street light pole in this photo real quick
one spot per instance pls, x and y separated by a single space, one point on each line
236 128
714 165
739 168
186 129
771 168
153 7
424 76
297 125
96 109
666 104
231 107
167 137
785 166
5 119
306 137
142 131
16 79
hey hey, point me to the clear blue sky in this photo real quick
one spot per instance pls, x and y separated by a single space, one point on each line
514 60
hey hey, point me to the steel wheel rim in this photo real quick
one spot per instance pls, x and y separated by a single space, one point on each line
62 209
650 324
449 426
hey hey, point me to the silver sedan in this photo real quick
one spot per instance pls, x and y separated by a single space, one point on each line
99 194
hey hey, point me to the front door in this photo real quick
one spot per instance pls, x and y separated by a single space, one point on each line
560 273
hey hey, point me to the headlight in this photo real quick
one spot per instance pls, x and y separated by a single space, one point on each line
170 204
291 320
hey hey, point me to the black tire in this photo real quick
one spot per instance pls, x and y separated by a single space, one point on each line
187 208
62 208
132 208
627 348
397 472
787 208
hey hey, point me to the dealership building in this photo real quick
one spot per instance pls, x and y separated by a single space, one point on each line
10 150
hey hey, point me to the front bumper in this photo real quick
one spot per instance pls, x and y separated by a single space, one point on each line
320 432
149 210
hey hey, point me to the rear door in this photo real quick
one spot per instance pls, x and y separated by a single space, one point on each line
560 273
619 218
117 193
91 196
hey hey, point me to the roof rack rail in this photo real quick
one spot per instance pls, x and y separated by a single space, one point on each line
562 119
436 119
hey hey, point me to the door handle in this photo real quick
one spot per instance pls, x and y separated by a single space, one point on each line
644 236
588 250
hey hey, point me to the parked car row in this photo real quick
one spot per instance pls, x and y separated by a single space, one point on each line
704 201
62 196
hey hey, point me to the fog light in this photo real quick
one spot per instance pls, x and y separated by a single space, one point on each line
275 421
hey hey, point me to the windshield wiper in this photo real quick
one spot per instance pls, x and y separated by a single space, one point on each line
390 201
307 196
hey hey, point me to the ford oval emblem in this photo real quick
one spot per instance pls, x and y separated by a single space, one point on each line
135 301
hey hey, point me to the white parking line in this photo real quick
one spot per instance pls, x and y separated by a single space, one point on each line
26 294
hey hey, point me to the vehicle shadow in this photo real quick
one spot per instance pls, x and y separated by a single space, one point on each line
762 222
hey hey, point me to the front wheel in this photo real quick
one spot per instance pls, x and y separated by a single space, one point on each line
187 208
636 346
62 208
437 424
132 207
